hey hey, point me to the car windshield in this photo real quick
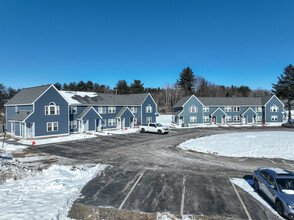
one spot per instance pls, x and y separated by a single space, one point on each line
159 125
285 184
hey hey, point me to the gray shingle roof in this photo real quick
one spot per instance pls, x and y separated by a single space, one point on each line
27 95
230 101
111 99
20 116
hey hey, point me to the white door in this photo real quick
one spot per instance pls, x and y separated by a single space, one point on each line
99 124
122 123
12 128
30 129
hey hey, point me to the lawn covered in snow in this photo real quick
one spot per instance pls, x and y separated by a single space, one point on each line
48 195
269 144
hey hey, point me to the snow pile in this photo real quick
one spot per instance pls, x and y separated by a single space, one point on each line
247 187
9 149
270 144
49 195
168 216
72 137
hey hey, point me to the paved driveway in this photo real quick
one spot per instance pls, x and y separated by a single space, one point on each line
150 174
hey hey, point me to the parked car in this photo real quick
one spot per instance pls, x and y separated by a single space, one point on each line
278 186
154 128
288 124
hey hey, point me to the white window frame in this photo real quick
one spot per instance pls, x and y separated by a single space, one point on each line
258 118
205 118
274 108
228 108
134 109
55 108
193 109
74 124
205 109
149 109
236 118
111 109
258 109
52 126
102 110
193 118
111 122
228 118
74 109
236 108
148 120
274 117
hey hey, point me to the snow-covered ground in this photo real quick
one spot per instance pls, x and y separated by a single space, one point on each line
270 144
118 131
246 185
168 216
71 137
48 195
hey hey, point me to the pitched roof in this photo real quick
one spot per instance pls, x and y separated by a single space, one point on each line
85 111
101 99
221 101
27 95
20 116
182 101
120 113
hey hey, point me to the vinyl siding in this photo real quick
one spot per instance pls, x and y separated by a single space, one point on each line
148 101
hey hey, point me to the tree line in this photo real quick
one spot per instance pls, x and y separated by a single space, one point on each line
166 97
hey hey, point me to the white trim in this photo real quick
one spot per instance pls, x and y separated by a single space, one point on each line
124 112
195 98
151 98
49 135
87 113
247 110
272 98
216 110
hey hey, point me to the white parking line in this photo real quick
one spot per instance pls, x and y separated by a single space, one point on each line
125 199
242 203
183 195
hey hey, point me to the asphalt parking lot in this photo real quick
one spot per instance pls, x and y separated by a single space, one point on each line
148 173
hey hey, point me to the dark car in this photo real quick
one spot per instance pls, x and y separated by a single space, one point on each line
278 186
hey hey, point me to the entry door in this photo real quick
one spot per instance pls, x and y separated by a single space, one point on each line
12 128
122 123
253 119
86 125
214 119
244 120
30 130
99 124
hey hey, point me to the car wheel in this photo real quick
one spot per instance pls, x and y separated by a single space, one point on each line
159 132
142 130
279 208
256 185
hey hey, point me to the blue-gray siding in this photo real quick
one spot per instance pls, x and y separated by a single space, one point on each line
268 113
148 101
186 114
40 119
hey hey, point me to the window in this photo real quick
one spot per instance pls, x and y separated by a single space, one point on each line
274 108
148 109
236 108
206 119
258 109
52 109
74 109
102 110
134 109
148 120
236 118
111 122
16 109
74 124
228 108
193 119
228 118
205 109
274 118
111 109
193 108
52 126
259 118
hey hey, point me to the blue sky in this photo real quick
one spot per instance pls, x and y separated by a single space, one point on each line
240 42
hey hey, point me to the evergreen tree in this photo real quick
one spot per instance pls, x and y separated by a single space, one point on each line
122 87
137 87
284 88
58 86
187 80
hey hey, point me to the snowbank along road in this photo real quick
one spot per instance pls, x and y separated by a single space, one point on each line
151 174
